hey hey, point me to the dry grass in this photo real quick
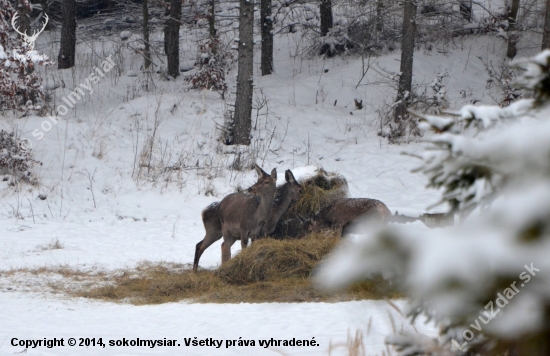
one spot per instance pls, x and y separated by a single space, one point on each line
53 245
318 191
273 260
268 271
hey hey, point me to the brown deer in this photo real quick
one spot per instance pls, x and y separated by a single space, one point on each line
285 196
238 216
344 214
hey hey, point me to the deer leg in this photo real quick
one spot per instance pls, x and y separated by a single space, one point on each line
340 228
244 240
228 241
211 237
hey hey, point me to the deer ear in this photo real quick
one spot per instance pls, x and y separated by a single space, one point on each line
274 174
290 177
260 172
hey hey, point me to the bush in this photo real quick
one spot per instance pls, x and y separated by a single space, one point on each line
213 63
14 159
20 86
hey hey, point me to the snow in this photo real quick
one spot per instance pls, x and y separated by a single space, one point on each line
34 317
495 256
110 211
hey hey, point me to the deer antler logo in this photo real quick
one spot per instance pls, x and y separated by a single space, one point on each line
29 40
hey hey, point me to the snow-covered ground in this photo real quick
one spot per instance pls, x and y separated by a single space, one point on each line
32 317
106 214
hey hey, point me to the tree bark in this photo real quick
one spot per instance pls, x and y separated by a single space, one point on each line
173 39
24 20
243 101
512 36
147 49
267 37
407 56
46 10
326 16
379 15
24 25
546 30
66 56
466 9
212 19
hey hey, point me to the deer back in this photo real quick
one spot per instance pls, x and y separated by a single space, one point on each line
351 210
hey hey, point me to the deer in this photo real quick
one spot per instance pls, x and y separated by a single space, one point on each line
344 214
238 216
285 195
29 40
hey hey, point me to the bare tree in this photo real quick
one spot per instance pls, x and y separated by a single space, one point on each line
326 16
212 19
379 15
66 56
546 30
172 38
407 56
267 37
147 49
512 36
243 100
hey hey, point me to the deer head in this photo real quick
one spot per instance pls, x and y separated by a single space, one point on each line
265 183
29 40
295 187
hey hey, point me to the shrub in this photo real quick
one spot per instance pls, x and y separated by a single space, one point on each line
20 86
14 159
213 63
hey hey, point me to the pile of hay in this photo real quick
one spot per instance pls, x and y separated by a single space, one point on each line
319 191
269 260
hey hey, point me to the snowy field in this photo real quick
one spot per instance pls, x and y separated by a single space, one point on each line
108 213
35 317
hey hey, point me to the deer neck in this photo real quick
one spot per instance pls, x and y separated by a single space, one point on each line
263 211
281 203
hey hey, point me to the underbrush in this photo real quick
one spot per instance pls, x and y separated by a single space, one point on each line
268 271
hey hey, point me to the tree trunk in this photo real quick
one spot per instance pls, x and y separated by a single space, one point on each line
379 15
24 20
24 25
466 9
267 37
212 19
165 29
407 55
243 101
173 40
147 49
512 36
326 16
46 10
65 59
546 30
